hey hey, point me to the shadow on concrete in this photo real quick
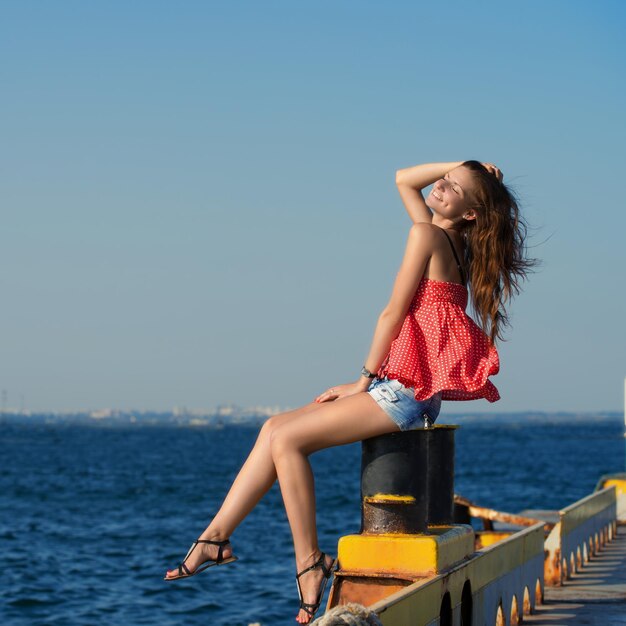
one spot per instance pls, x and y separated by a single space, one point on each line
595 595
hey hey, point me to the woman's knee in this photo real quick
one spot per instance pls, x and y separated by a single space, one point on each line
276 421
281 441
270 424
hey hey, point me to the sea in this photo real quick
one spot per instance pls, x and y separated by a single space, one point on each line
92 516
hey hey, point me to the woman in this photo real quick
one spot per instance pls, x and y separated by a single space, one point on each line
425 349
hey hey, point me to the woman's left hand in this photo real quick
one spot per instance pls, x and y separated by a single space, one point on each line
340 391
492 169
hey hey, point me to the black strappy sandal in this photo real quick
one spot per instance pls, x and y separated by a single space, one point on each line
310 608
185 572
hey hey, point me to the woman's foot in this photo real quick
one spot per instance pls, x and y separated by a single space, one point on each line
202 551
311 581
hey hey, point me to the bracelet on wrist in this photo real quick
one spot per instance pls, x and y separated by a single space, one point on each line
367 374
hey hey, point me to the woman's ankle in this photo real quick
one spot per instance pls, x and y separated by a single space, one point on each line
211 534
308 560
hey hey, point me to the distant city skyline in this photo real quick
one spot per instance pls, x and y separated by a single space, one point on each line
199 205
235 416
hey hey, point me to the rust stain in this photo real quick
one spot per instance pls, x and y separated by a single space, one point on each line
492 515
552 568
363 589
386 518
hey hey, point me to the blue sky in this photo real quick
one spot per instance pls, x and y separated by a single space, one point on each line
199 204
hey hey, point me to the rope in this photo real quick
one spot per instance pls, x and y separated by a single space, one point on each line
351 614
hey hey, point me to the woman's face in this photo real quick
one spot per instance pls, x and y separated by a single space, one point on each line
451 196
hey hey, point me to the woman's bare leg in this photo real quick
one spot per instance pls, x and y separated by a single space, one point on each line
335 423
253 481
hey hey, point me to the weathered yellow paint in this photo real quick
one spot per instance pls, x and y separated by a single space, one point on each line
618 483
419 603
508 554
415 554
387 498
486 538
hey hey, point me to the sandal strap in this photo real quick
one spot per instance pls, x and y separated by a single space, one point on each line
221 544
327 571
320 562
219 558
313 607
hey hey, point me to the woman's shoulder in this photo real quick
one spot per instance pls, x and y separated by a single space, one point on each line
424 232
425 236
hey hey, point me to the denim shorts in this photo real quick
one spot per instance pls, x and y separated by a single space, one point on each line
400 404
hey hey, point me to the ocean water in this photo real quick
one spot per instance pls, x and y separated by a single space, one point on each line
91 517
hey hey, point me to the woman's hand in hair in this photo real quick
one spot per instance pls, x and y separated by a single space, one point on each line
492 169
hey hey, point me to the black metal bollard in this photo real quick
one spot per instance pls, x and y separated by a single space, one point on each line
407 481
393 466
440 471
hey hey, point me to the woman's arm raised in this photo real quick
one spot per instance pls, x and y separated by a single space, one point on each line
412 180
418 251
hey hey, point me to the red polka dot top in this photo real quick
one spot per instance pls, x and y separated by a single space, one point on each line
440 348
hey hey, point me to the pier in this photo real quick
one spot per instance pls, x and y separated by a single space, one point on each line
596 594
413 563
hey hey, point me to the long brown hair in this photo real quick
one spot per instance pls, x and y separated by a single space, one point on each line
495 249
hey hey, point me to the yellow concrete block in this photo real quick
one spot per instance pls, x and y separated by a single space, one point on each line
413 554
487 538
618 483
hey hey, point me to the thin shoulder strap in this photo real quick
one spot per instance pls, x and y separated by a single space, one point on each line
456 256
